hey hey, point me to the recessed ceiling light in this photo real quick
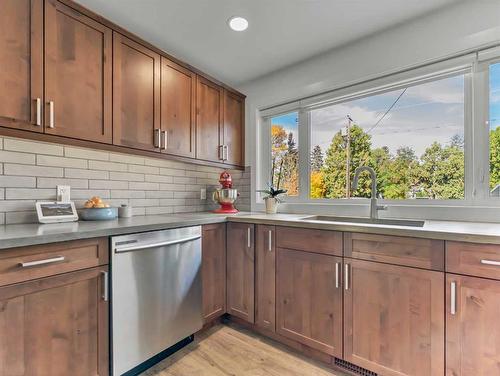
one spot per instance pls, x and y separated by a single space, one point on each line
237 23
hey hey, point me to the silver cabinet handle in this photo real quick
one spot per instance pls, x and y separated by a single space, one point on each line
270 241
105 286
249 244
51 115
225 152
337 280
41 262
157 138
38 112
490 262
453 298
346 276
221 152
165 140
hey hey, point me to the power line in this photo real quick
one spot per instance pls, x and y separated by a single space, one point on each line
388 110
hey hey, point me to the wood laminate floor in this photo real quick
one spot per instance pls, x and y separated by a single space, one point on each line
231 351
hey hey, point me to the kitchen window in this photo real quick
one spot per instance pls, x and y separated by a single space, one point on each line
421 130
285 153
412 136
494 128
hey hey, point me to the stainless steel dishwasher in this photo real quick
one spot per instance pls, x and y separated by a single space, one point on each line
156 294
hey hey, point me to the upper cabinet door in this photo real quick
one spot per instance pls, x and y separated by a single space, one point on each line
209 120
78 75
472 330
234 130
21 64
136 95
178 109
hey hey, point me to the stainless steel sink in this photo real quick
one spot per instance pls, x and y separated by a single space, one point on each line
379 221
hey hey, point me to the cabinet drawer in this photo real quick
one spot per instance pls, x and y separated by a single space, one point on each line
481 260
310 240
26 263
398 250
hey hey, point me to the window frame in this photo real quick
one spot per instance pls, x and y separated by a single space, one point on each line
476 137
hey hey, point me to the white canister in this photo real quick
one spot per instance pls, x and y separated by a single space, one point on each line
125 211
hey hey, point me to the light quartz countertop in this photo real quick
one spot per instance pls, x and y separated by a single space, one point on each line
31 234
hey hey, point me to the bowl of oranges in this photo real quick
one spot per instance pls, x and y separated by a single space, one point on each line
96 209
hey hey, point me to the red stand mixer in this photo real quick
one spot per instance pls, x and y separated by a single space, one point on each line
226 195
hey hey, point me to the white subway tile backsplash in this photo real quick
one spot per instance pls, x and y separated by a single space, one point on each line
17 181
85 174
107 166
47 160
30 171
86 154
126 176
30 193
25 170
15 157
34 147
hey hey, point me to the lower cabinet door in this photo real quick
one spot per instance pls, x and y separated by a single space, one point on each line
265 277
240 258
55 326
472 326
393 317
214 270
309 299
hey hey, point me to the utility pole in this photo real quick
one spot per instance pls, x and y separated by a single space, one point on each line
348 158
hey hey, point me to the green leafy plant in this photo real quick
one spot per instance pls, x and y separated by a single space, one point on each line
273 192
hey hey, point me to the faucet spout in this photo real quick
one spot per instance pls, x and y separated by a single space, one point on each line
374 207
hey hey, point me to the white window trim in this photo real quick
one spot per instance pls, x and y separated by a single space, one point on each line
476 149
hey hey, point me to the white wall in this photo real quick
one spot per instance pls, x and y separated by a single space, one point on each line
462 27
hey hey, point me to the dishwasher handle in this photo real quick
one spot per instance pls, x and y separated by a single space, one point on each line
138 247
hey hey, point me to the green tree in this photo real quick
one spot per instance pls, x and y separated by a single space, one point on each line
334 169
316 158
494 157
442 172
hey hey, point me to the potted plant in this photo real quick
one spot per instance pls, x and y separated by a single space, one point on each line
272 198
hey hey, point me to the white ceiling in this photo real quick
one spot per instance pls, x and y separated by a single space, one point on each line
281 32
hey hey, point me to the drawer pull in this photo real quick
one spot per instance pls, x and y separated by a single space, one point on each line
51 115
38 112
337 280
41 262
490 262
105 286
453 298
270 241
346 276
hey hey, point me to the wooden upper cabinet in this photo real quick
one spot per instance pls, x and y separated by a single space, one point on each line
240 270
136 95
393 319
78 75
472 329
309 299
178 109
21 64
209 120
265 277
55 326
213 250
234 130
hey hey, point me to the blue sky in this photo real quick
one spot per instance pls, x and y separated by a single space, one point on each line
425 113
495 95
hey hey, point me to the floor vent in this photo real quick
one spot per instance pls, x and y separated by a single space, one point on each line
353 368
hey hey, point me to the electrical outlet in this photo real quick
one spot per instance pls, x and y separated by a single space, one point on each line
203 194
63 193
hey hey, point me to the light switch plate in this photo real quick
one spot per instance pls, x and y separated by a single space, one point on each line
203 194
63 193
